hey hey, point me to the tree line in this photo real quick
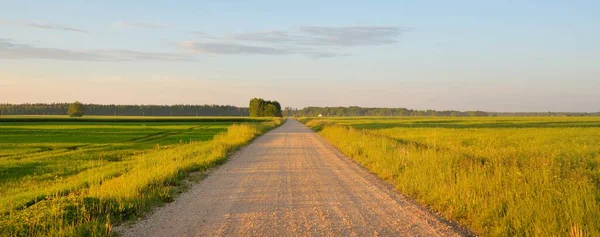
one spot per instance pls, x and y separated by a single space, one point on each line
360 111
261 108
264 108
124 110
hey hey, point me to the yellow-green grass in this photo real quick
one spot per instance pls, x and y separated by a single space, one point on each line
64 118
532 176
54 186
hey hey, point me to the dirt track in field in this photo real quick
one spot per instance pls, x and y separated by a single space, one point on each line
291 182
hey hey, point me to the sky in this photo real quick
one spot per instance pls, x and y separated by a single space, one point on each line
499 56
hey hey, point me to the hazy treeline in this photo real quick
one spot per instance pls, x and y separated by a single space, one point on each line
125 110
359 111
574 114
227 110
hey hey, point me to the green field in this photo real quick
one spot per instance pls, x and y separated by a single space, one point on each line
63 176
513 176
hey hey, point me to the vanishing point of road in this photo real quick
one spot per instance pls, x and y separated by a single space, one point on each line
291 182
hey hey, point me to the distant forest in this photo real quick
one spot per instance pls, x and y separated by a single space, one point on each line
360 111
227 110
125 110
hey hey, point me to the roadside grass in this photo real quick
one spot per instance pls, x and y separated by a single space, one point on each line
61 191
40 159
498 176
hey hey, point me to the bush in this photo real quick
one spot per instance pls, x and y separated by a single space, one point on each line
76 109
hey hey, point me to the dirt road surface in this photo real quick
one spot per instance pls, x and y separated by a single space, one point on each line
291 182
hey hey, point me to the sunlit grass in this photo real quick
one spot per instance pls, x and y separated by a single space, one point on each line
499 176
83 191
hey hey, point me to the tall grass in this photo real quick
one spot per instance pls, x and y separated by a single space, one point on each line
148 180
499 182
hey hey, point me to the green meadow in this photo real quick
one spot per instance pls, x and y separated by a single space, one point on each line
63 176
500 176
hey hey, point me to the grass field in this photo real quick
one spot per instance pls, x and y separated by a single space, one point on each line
62 176
518 176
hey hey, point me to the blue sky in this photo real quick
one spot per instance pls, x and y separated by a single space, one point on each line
463 55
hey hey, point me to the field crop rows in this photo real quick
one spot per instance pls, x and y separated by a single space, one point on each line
499 176
49 165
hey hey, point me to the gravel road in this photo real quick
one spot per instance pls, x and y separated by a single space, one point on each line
291 182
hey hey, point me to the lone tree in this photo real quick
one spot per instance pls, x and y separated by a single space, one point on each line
76 109
264 108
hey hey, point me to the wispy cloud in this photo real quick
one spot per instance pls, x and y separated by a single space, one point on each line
314 41
11 50
245 49
230 48
353 36
279 37
328 36
203 34
322 54
139 24
54 27
45 26
197 32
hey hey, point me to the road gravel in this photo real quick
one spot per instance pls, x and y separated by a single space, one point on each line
291 182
